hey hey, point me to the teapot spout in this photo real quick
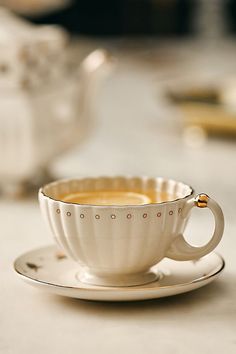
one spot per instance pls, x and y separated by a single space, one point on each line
95 61
93 71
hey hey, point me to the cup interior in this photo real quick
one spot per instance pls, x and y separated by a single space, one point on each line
146 185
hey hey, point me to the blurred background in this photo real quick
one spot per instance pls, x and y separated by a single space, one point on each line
140 87
172 80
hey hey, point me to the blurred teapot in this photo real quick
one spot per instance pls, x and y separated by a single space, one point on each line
45 102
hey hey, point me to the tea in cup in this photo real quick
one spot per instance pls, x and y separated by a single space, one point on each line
117 228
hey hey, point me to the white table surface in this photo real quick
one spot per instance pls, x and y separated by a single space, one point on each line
132 134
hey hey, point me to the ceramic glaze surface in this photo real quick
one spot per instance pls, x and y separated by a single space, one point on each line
117 245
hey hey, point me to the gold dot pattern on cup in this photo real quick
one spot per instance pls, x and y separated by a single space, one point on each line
58 211
128 216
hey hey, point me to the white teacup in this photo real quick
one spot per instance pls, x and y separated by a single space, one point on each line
117 245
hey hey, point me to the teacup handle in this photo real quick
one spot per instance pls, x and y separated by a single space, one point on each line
180 249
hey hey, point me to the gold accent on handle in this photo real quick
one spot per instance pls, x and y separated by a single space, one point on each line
201 200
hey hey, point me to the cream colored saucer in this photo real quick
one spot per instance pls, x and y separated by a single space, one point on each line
49 270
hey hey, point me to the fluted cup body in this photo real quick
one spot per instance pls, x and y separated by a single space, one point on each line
115 245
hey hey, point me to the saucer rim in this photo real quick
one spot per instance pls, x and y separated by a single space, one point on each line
116 288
